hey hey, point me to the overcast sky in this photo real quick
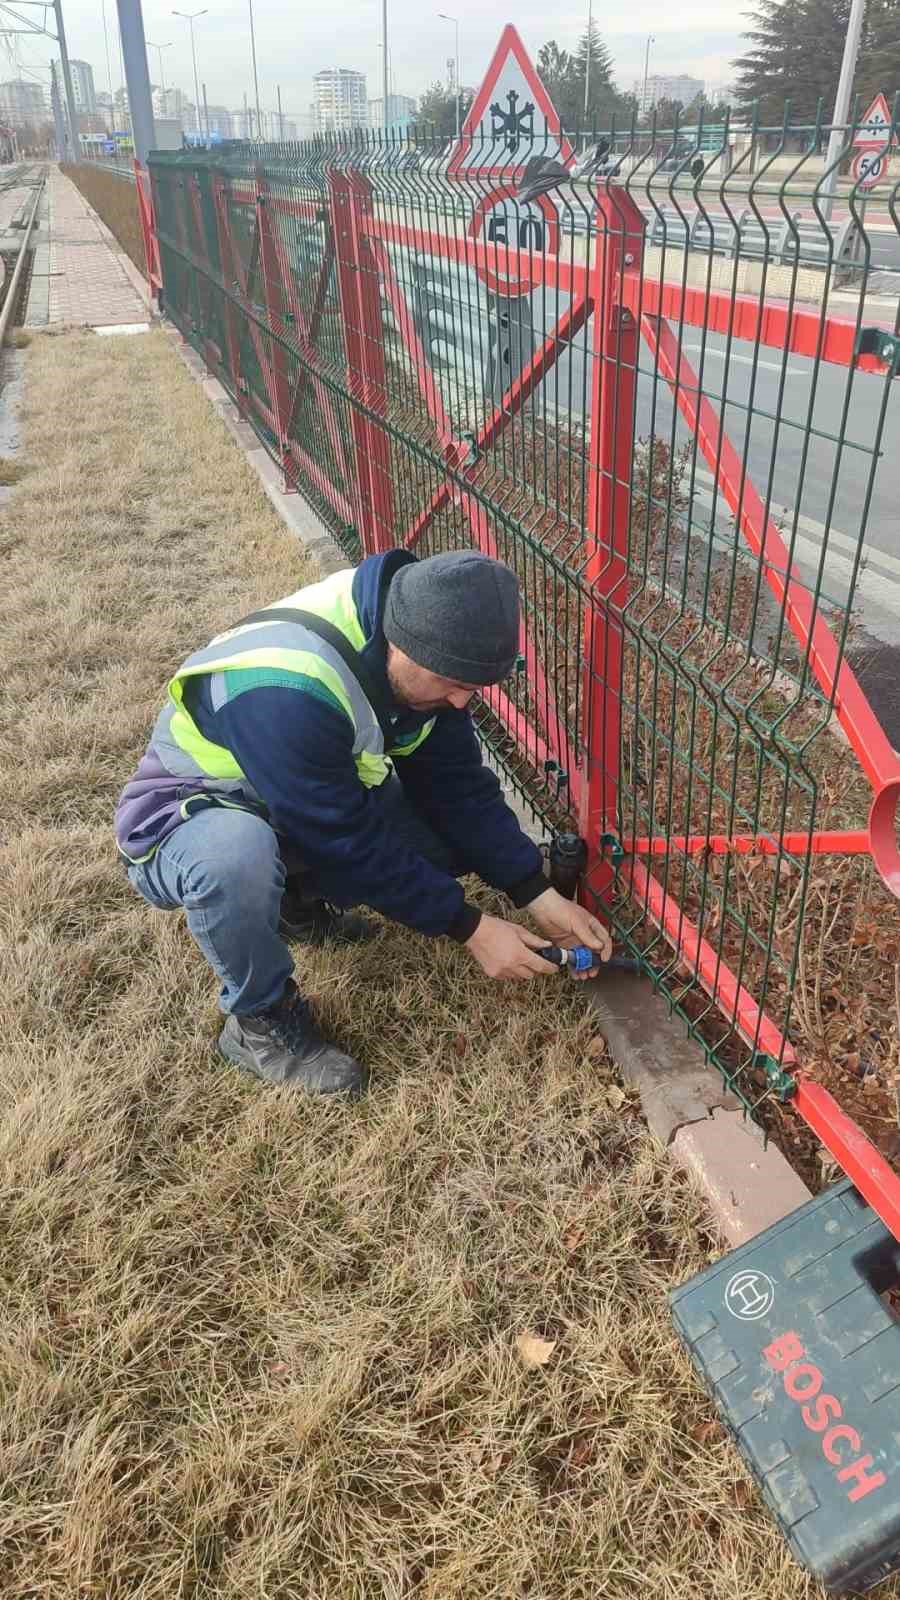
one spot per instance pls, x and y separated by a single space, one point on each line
294 42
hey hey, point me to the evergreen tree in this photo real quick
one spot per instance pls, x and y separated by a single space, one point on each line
878 71
563 76
796 51
603 98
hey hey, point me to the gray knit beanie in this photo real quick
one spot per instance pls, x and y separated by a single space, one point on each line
456 614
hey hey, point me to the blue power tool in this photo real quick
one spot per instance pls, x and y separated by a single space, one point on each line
581 959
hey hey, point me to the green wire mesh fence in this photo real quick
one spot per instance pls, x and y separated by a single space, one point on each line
654 371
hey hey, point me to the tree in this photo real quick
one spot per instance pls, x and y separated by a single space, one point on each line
667 114
796 52
604 101
558 72
563 76
436 114
879 63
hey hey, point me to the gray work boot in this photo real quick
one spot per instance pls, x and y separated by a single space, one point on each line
283 1045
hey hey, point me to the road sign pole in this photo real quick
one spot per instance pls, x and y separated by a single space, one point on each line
842 105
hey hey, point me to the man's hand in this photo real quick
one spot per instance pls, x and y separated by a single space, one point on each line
504 950
566 923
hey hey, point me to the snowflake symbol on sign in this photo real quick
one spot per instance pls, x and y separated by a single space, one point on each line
511 125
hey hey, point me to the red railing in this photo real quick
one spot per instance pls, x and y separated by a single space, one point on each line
611 298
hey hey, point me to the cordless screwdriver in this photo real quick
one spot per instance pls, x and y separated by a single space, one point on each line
568 858
581 959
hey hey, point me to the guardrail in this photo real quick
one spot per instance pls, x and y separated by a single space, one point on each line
501 356
748 236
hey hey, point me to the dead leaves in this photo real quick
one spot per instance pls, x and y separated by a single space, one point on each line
582 1453
742 1494
533 1350
708 1432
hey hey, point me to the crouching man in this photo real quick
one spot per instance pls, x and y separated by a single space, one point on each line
320 755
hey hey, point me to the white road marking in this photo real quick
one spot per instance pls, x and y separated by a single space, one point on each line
879 588
747 361
837 541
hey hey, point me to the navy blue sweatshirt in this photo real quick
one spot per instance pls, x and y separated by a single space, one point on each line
297 751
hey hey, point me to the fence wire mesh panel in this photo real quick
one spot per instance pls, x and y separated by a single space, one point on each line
658 378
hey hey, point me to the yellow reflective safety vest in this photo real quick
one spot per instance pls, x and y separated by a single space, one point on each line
184 754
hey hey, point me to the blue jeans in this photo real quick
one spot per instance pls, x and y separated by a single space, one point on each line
228 870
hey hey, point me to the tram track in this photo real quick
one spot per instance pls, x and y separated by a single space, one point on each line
17 252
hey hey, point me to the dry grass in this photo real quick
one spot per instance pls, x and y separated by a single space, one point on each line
250 1346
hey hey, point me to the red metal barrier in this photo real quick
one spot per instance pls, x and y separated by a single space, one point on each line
631 312
148 227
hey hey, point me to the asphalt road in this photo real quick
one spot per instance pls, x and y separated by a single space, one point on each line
838 501
844 496
842 499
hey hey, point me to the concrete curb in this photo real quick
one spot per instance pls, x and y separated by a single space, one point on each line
747 1186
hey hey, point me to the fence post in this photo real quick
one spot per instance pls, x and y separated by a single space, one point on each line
146 217
619 257
274 295
232 352
358 288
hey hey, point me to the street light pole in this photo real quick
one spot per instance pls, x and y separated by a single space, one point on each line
159 48
255 78
190 17
587 65
384 65
842 103
455 21
650 39
112 104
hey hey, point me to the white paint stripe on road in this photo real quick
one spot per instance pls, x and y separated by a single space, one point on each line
879 588
837 540
747 361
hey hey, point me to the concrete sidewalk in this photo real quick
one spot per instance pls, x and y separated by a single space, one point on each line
82 276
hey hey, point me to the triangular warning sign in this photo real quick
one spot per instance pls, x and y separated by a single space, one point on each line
875 127
511 119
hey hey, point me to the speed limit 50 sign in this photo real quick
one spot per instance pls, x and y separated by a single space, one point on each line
868 168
